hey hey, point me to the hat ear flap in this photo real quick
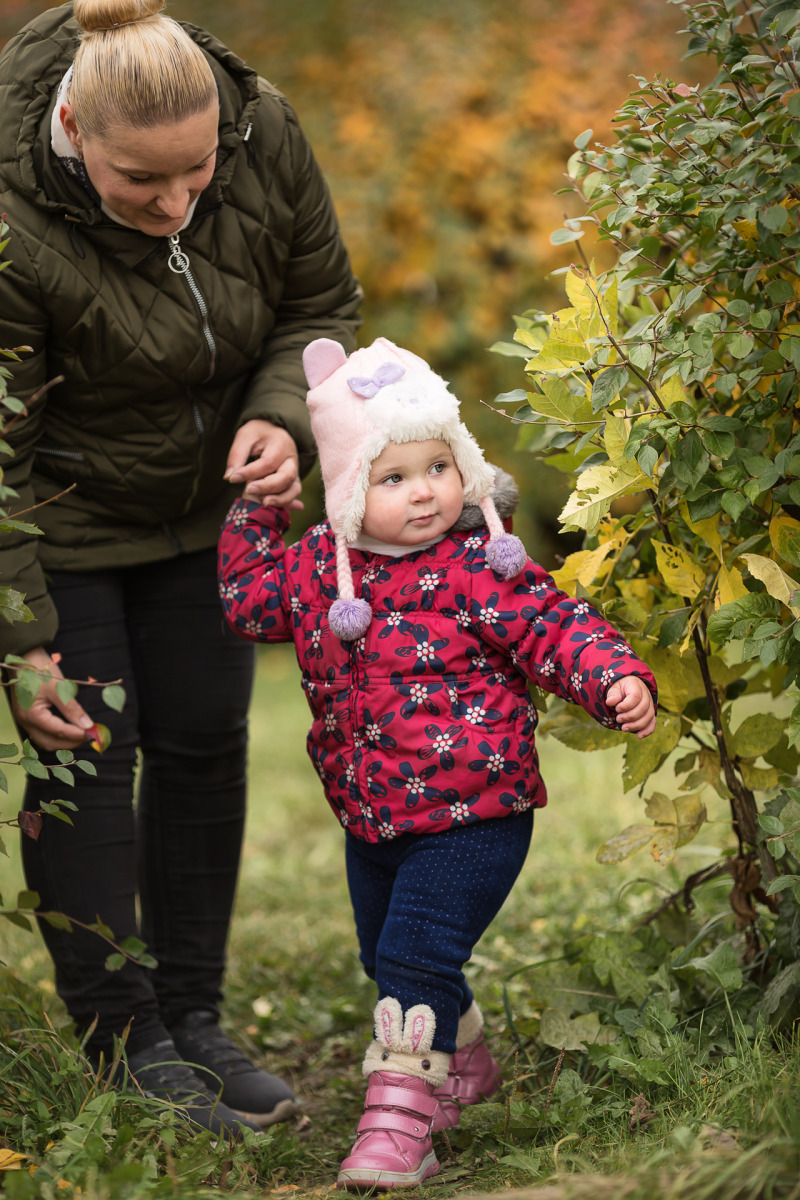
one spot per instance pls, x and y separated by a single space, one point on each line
320 359
505 553
349 616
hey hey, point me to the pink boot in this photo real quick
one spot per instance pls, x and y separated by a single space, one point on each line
393 1147
473 1076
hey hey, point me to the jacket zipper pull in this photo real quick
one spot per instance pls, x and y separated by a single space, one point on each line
178 258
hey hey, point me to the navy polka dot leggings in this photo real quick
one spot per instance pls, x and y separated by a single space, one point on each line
421 902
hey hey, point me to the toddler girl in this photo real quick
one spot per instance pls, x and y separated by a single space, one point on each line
416 644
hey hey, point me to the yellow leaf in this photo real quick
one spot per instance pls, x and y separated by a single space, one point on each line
679 571
784 533
686 813
708 530
671 391
759 779
526 338
10 1160
558 402
757 734
624 844
581 567
643 755
777 582
615 439
597 487
564 345
679 679
746 230
579 293
664 843
730 586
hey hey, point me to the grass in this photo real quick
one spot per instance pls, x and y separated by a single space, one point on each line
720 1125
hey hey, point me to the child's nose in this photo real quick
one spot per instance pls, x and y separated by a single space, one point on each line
422 490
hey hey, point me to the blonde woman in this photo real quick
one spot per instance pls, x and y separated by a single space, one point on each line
173 249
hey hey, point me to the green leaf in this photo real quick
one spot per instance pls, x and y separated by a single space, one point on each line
720 966
114 697
644 755
28 900
66 690
756 735
583 139
774 218
64 775
32 766
13 607
114 962
623 844
607 385
57 919
559 237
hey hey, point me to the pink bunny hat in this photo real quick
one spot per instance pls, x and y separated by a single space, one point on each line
358 405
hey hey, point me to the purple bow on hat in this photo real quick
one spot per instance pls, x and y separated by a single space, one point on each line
387 373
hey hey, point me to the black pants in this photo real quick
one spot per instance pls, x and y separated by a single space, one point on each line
160 629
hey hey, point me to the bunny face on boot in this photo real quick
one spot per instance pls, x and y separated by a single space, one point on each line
403 1044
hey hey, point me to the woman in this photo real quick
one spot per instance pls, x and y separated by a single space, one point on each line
173 249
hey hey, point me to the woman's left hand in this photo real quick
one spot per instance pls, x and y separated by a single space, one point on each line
264 458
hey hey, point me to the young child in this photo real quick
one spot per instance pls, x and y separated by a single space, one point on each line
416 644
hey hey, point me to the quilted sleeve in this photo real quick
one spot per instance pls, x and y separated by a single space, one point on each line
320 298
22 323
561 644
252 582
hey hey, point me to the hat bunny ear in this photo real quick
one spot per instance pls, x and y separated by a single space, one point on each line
320 359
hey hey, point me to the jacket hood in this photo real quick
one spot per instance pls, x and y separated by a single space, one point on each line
32 66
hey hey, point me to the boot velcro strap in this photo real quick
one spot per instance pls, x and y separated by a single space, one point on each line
461 1087
399 1097
395 1122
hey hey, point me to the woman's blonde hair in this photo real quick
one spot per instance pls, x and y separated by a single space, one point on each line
135 68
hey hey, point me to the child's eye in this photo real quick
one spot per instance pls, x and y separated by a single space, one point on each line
437 468
392 478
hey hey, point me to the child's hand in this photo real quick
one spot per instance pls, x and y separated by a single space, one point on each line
633 705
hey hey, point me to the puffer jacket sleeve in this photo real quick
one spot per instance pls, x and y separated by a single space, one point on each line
561 644
22 323
252 579
321 298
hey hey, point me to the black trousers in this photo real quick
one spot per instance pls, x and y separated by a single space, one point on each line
164 868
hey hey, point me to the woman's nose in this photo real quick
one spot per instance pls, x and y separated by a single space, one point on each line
174 200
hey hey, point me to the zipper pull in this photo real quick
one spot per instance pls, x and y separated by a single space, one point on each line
178 259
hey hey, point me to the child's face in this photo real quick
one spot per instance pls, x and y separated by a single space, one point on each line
415 493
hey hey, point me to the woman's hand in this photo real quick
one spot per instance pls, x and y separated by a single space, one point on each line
633 705
49 722
264 458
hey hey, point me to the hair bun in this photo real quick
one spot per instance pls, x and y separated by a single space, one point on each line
95 16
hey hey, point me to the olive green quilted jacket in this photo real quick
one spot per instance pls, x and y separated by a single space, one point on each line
159 369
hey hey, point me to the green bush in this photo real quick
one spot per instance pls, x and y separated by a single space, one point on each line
667 391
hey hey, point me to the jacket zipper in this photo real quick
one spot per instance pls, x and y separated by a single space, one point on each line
74 455
179 264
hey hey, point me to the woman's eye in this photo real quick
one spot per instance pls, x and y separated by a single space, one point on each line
136 179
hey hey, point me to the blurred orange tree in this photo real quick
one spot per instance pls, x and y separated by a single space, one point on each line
443 130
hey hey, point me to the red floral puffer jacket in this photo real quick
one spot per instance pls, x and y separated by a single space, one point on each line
425 722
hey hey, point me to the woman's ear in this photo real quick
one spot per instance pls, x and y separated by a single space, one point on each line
71 129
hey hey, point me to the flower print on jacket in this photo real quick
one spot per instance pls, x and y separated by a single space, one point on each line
424 722
415 783
425 652
458 810
417 693
428 583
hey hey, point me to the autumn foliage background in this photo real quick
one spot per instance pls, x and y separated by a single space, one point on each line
444 130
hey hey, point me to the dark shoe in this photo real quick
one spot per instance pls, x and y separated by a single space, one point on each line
256 1096
159 1072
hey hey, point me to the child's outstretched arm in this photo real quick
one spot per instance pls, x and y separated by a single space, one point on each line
633 705
252 577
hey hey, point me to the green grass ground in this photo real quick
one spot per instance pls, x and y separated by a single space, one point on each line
297 999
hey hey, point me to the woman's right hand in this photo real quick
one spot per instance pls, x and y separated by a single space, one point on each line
49 722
